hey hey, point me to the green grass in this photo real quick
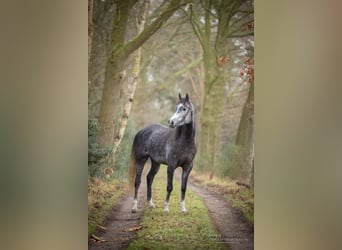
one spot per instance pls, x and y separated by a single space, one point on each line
175 230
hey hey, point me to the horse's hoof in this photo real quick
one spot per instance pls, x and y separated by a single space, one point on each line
151 205
182 206
166 207
135 206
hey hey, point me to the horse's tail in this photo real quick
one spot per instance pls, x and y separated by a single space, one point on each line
132 170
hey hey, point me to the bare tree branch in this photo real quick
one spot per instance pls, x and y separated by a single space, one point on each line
137 41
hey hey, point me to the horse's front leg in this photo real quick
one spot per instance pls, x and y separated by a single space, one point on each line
170 172
185 175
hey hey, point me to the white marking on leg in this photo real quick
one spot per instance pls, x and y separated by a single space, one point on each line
182 205
135 206
166 207
150 204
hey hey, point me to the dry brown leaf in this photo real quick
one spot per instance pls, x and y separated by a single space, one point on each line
102 227
97 238
133 229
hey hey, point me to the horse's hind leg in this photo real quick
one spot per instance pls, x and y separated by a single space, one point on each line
140 166
153 171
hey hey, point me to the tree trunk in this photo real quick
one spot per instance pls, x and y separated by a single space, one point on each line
215 76
113 77
250 177
245 135
90 27
210 123
206 124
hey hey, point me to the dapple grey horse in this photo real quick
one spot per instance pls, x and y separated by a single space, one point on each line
173 146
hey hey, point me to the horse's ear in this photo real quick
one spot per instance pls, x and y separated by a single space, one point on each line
179 95
187 97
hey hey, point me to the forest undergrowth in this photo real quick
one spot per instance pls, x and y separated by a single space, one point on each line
103 194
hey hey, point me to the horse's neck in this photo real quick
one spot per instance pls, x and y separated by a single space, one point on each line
186 132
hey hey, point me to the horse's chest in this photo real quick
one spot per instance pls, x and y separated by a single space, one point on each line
181 155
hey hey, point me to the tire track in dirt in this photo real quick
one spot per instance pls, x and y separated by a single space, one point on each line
120 220
234 230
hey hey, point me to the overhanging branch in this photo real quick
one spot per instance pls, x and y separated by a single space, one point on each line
137 41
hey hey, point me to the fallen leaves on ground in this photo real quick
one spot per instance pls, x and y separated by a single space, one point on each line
96 238
133 229
101 227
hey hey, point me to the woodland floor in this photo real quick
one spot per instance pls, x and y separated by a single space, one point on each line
121 225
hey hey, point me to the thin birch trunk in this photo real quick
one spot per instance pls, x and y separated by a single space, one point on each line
132 86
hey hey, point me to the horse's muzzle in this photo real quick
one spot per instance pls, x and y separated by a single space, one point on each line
171 123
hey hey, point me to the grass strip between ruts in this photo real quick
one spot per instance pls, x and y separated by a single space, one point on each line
175 230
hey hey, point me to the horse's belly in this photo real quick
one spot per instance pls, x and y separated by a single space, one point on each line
158 157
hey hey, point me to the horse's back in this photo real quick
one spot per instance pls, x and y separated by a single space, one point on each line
150 140
154 129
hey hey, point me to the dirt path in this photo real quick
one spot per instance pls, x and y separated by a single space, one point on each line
121 222
234 231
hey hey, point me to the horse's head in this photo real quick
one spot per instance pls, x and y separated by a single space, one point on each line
183 113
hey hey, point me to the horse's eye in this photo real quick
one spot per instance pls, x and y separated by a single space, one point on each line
184 109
